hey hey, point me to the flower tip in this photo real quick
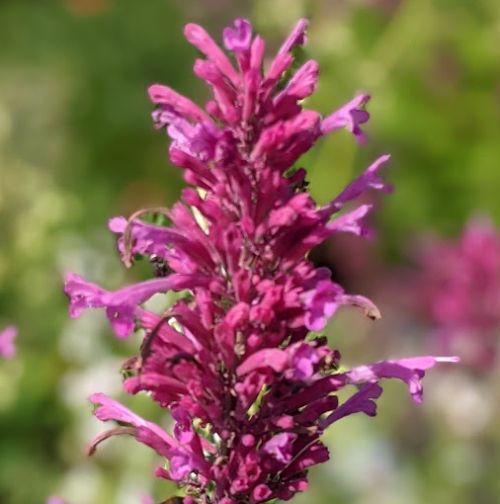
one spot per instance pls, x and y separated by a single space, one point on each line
156 92
302 24
451 359
117 224
70 277
364 98
194 33
97 398
90 449
373 313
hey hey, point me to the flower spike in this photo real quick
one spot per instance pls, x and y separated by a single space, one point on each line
249 387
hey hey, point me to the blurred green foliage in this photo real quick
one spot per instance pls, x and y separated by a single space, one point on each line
77 146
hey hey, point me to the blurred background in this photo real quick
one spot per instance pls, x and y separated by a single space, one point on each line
77 146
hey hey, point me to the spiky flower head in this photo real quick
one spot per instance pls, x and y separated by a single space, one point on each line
239 363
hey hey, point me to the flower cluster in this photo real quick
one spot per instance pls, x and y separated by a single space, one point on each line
7 338
459 292
238 360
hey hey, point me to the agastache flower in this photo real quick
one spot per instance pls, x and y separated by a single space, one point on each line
7 338
250 389
458 292
351 116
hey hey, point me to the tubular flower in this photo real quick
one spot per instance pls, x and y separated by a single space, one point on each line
459 292
249 386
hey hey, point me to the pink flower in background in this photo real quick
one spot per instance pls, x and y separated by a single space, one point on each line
7 338
458 292
55 500
250 388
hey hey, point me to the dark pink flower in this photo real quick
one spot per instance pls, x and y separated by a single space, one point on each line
249 388
185 458
323 300
280 446
122 306
411 371
458 292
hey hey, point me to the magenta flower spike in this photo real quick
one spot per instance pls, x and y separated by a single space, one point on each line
238 360
7 342
458 286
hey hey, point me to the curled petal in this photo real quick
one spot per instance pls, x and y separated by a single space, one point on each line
121 305
238 37
82 294
349 116
411 371
325 298
351 222
144 238
369 308
321 303
361 402
144 431
138 237
184 457
103 436
369 179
